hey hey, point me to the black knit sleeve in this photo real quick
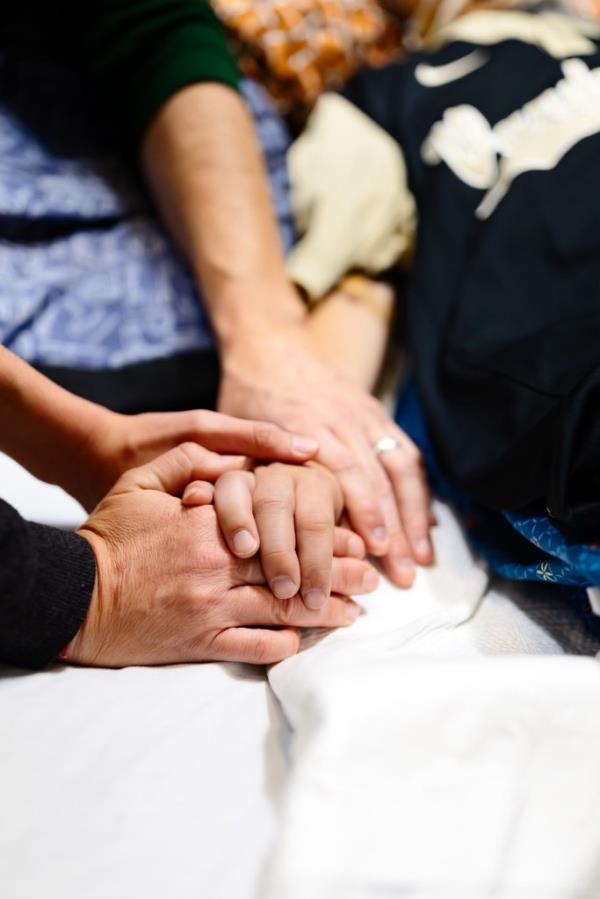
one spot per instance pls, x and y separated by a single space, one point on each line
46 582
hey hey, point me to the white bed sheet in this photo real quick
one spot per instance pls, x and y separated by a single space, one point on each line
135 784
436 753
169 782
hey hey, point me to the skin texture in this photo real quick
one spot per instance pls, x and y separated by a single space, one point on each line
87 448
288 513
204 166
168 589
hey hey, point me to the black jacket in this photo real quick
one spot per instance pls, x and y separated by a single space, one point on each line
504 304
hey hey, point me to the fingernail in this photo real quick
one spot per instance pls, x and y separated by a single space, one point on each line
355 547
244 543
352 611
405 570
314 599
423 547
304 446
370 582
283 587
380 535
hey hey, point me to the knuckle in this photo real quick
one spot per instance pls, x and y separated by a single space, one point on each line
194 600
316 524
192 451
347 466
366 510
277 559
316 576
399 465
265 433
199 421
262 649
415 523
284 611
268 503
342 462
230 478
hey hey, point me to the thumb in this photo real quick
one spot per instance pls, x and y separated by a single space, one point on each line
173 471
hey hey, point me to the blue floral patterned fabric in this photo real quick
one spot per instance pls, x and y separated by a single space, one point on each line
88 278
519 546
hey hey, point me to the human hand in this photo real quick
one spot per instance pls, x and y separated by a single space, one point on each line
121 442
289 512
168 590
277 375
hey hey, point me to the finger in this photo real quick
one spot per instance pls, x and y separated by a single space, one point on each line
257 606
398 562
315 524
353 577
259 439
255 646
347 543
365 514
174 470
198 493
406 472
233 502
274 507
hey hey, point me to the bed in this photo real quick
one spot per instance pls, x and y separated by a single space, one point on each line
447 745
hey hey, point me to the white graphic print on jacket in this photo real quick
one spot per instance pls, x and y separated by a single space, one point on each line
534 138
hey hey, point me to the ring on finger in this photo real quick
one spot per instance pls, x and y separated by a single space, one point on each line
386 445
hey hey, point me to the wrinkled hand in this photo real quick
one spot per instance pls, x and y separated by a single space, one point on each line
289 512
122 442
277 375
168 590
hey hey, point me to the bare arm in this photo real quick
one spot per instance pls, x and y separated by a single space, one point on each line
84 448
351 326
205 166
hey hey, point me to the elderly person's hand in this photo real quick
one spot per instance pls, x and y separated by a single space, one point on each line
289 512
168 589
277 375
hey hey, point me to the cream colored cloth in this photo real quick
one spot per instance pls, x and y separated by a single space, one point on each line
350 195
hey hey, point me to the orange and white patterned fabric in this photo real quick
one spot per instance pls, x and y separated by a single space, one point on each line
299 48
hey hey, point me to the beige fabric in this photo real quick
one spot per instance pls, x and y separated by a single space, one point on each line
351 198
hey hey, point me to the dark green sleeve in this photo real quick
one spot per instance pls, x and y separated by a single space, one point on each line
141 52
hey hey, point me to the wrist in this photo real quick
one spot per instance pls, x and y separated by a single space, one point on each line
252 310
81 648
94 446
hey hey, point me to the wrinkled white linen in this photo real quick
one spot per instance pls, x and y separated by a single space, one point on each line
425 768
137 784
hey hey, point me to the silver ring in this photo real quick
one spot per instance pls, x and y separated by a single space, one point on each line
385 445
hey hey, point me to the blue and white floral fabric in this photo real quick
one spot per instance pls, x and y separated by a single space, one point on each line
519 546
88 278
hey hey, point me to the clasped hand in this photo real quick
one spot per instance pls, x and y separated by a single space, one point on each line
200 559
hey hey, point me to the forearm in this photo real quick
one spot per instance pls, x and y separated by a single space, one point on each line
205 166
351 328
45 428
